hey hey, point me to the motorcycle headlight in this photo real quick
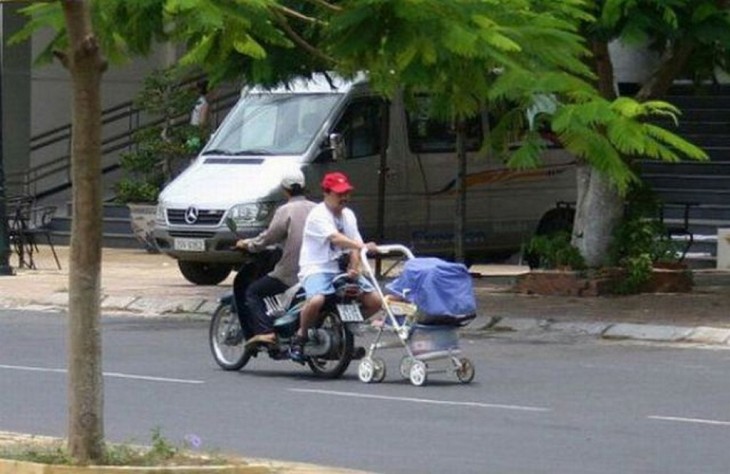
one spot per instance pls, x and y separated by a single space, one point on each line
250 214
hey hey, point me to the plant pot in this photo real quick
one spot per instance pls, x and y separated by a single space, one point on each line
142 219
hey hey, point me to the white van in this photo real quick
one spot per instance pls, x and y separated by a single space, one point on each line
237 175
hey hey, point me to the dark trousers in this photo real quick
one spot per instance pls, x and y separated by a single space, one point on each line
255 293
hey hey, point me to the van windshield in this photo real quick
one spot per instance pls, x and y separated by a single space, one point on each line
272 124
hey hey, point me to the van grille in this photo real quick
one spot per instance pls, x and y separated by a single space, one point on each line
205 216
192 234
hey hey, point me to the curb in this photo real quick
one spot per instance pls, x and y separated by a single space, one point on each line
606 330
200 308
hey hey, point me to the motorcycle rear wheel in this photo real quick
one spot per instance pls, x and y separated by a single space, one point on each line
227 342
334 367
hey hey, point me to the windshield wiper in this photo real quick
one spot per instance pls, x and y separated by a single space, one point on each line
252 151
217 151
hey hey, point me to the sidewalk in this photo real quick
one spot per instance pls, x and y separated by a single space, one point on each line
150 284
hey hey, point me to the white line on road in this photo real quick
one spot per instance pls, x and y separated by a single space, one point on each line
690 420
419 400
106 374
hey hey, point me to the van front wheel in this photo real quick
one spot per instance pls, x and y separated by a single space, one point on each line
204 273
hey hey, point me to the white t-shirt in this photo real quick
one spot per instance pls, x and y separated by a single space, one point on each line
318 254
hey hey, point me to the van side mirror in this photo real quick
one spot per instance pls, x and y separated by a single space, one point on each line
231 224
337 145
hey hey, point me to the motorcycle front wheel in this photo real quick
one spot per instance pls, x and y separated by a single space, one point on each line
334 364
227 342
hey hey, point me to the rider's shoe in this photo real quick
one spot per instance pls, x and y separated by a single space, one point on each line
296 349
261 339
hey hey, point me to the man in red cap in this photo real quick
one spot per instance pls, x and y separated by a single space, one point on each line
329 232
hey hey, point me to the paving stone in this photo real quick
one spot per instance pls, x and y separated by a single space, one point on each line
592 329
165 305
117 302
647 332
709 335
519 324
57 299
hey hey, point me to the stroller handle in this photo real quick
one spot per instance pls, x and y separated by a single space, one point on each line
387 249
382 250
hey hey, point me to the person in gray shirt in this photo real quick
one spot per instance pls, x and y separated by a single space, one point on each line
286 228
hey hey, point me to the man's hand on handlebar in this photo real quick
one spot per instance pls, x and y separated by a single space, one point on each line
371 246
242 244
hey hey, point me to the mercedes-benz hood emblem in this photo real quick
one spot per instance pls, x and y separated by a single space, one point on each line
191 215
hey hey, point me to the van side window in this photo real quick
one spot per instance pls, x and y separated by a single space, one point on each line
427 135
360 128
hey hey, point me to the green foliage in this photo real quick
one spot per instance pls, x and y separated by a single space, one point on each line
665 26
605 132
164 145
555 251
640 241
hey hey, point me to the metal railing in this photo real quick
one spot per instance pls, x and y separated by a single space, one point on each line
54 175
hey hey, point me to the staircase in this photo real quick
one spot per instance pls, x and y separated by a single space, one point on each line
50 181
705 121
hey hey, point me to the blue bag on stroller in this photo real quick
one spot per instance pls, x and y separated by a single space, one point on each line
442 291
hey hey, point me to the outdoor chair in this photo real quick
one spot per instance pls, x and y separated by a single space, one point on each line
27 223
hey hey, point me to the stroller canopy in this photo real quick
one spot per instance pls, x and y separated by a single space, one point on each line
436 287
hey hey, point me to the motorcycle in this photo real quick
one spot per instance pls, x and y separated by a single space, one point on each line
330 346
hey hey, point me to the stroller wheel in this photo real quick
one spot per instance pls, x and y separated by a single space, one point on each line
366 370
465 370
378 370
418 373
405 367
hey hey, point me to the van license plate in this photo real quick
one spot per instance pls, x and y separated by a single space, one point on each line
190 245
349 313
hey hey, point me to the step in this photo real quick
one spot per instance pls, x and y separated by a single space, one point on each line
684 167
691 181
108 240
700 261
108 210
110 225
706 140
698 195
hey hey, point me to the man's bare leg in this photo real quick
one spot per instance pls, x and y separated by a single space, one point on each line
310 314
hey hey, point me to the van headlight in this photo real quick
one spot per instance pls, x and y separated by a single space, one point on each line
160 217
252 213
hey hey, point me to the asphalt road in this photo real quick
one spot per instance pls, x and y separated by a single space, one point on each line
563 405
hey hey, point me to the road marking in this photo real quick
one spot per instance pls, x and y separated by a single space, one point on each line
106 374
420 400
690 420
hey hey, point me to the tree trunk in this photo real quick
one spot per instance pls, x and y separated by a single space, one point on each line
599 206
85 384
598 211
603 66
670 66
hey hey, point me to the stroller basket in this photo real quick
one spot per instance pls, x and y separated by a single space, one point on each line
430 339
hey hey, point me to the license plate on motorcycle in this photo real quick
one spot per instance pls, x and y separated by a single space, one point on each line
350 313
190 245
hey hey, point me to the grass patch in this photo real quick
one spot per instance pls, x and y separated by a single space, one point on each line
161 452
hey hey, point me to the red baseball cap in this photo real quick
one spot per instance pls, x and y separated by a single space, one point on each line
336 182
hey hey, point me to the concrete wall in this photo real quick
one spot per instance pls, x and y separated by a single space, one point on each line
51 93
15 113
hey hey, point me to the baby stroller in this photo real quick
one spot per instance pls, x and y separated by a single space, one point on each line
424 306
